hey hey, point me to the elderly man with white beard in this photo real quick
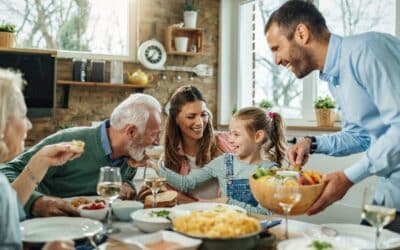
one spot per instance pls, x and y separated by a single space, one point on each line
134 125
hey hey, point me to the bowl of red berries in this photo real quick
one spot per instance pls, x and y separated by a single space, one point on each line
96 210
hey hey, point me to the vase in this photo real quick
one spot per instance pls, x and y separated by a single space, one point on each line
181 43
325 117
190 18
7 39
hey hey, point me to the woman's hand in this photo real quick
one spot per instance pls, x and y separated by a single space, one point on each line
55 154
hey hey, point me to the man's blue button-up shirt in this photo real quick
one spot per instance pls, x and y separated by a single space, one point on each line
363 73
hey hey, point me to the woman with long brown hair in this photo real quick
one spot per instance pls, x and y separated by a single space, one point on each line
190 140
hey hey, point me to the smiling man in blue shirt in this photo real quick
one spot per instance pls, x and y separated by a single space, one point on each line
364 78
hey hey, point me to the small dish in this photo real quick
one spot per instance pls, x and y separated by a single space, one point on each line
165 240
147 221
89 211
122 209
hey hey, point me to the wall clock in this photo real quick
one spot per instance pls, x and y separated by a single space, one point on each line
152 54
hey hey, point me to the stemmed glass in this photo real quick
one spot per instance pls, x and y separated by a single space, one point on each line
378 209
109 187
287 196
155 184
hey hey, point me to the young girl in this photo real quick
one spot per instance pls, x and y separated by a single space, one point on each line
253 135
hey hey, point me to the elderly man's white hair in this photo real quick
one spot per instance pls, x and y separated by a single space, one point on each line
134 110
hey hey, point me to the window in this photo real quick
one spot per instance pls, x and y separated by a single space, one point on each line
85 28
294 98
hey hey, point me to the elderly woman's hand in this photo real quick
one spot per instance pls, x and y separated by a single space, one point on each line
55 154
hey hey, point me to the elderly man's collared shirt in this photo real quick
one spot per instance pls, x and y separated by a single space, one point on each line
105 142
364 78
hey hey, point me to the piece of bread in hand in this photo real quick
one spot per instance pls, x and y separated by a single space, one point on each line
165 199
77 145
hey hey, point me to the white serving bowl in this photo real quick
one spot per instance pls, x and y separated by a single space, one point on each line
122 209
145 222
185 242
96 214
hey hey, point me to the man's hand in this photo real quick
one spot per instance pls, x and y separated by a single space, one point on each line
298 154
127 192
47 206
336 186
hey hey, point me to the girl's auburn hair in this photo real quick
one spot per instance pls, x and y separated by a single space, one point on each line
274 143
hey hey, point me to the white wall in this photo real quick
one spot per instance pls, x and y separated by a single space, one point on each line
346 210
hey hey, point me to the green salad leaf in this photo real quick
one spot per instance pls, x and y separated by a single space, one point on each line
161 213
321 245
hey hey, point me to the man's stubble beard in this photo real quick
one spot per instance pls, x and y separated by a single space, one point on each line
302 61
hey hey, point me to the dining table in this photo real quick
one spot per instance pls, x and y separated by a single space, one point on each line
129 230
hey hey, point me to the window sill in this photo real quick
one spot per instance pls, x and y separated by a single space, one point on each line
314 128
309 125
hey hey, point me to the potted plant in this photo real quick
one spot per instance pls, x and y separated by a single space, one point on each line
190 9
7 34
324 110
265 104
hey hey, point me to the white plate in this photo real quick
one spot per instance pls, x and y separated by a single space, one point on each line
58 228
388 239
186 242
203 206
305 244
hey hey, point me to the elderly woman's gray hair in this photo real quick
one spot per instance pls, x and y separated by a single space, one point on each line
11 103
135 110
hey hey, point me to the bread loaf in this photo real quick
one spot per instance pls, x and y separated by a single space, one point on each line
165 199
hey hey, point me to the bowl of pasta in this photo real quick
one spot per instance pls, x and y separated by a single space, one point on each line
264 184
222 229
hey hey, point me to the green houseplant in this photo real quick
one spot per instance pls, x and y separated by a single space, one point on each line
265 104
325 111
7 34
190 9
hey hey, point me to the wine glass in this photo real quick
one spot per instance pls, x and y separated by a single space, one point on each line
378 209
287 196
109 187
155 183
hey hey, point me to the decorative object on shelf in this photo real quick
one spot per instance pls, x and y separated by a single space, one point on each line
152 55
7 35
324 110
79 70
181 43
194 43
200 69
139 78
97 71
117 72
190 9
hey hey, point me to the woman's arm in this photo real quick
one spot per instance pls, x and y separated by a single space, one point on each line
37 166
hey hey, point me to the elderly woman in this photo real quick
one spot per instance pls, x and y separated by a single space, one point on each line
13 128
190 141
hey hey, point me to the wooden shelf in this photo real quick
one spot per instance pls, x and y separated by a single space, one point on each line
195 36
101 84
66 85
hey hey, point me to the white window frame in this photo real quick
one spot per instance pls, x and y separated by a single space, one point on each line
229 84
133 31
